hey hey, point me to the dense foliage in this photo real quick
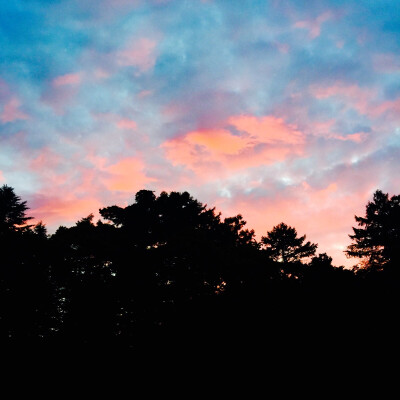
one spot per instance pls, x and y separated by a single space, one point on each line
168 267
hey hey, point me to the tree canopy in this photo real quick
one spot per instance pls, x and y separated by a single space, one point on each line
282 244
12 210
377 239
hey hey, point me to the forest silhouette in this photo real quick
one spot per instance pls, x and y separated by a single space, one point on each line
169 271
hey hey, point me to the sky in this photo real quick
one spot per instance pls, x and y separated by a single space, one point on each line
282 111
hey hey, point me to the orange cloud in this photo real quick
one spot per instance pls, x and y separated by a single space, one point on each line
218 141
11 111
126 175
260 141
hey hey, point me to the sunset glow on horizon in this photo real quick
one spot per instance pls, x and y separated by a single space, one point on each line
282 111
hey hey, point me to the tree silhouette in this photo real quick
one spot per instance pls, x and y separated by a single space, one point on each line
283 245
321 261
377 240
26 307
12 210
169 271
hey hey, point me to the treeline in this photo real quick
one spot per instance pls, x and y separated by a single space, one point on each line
168 269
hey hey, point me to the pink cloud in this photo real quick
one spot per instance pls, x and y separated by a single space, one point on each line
322 128
283 48
320 196
101 73
2 179
386 63
340 89
45 160
364 100
68 79
5 91
144 93
64 210
340 44
11 111
267 129
126 124
62 91
325 215
325 129
140 53
357 97
314 25
391 106
70 194
354 137
120 133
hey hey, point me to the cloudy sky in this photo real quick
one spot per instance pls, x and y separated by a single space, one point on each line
283 111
